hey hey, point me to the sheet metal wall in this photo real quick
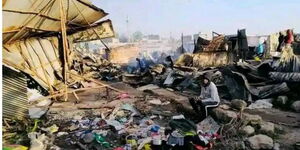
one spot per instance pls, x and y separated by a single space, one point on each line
14 94
38 57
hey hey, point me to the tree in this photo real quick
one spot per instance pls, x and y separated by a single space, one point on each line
123 38
137 36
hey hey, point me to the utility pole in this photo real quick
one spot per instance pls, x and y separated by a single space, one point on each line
127 26
182 49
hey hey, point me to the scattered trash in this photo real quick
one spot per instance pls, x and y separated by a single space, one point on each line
36 113
148 87
54 128
178 117
208 125
100 139
130 108
155 102
259 104
14 147
123 95
59 134
116 124
38 141
88 138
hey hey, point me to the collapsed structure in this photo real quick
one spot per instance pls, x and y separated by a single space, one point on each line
38 39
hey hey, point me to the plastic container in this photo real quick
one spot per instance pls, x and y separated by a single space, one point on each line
156 140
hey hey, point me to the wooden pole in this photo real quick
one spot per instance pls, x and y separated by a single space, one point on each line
98 82
65 45
90 25
182 49
63 93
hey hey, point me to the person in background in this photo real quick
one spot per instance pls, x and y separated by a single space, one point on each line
141 65
209 96
169 62
242 44
280 41
260 49
289 38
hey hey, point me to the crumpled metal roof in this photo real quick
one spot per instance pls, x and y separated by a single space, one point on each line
25 18
30 35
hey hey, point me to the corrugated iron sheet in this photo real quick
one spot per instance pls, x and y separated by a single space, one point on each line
15 102
24 18
26 25
38 57
104 29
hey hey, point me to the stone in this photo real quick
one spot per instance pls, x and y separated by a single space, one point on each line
59 134
259 104
148 87
267 128
296 106
281 100
251 119
238 104
224 106
260 141
73 127
155 102
224 115
247 130
77 117
276 146
297 146
240 145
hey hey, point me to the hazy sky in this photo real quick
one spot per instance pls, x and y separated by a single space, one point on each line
192 16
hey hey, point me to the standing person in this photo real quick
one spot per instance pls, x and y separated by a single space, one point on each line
280 41
260 49
107 53
209 96
289 38
242 44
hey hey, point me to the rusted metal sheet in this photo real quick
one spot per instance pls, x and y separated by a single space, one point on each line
30 36
25 18
204 59
15 102
104 29
210 59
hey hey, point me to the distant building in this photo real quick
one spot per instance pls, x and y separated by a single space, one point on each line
110 40
152 37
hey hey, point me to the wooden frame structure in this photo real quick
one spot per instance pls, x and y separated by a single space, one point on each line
35 23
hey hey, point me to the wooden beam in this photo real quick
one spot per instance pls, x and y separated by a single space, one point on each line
97 82
31 12
29 20
90 25
63 92
65 45
77 98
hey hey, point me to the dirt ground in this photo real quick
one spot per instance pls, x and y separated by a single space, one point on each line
94 102
287 122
